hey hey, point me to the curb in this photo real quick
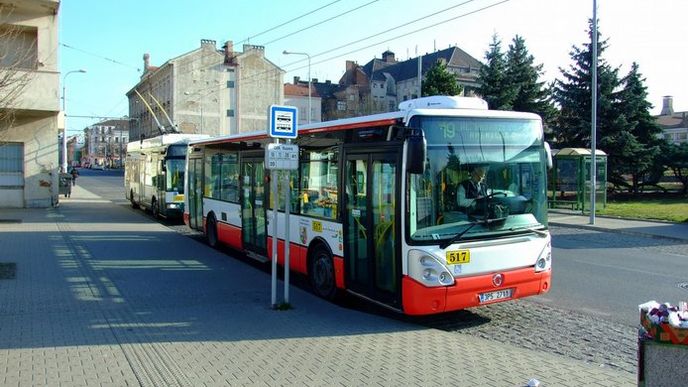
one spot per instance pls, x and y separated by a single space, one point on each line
618 231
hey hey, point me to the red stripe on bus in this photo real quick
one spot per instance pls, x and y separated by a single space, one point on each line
302 132
297 255
355 125
339 271
230 235
298 260
186 219
418 299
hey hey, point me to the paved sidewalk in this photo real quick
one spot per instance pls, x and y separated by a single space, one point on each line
651 229
105 296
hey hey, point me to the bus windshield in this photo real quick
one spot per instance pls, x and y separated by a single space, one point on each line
175 175
484 173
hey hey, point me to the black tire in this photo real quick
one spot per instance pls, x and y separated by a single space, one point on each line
154 208
131 199
211 231
321 273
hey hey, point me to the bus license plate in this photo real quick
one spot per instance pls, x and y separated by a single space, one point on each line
456 257
496 295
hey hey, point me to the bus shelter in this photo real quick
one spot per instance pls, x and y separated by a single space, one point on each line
570 179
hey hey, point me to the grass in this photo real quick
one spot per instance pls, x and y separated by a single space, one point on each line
674 209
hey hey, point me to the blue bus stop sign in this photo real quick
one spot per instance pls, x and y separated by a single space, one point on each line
283 121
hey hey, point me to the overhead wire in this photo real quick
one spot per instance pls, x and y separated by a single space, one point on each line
383 41
321 22
288 21
101 57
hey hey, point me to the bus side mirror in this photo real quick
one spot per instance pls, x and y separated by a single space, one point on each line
548 153
416 151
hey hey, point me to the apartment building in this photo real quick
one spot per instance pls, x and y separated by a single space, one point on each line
105 144
30 104
382 84
297 95
206 91
674 124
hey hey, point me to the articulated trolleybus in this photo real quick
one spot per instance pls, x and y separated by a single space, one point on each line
378 209
154 173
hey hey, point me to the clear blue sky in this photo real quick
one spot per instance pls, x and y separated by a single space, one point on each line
102 32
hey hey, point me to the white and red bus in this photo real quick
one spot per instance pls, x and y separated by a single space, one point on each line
375 209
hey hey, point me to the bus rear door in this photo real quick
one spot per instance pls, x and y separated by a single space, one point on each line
253 225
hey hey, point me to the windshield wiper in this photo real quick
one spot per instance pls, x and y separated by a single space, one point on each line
457 237
537 232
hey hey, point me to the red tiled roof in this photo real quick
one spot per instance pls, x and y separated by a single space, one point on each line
299 90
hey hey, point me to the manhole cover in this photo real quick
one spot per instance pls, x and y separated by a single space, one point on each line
8 270
683 285
11 221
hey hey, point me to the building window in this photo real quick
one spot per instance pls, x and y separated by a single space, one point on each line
230 112
341 106
19 47
11 165
230 84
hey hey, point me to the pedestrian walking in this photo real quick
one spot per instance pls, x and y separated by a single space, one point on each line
75 174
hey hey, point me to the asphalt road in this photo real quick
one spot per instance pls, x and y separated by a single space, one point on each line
591 313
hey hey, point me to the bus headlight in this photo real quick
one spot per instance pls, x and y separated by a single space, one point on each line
428 270
544 261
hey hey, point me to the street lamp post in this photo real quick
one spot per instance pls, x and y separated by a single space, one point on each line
285 52
64 112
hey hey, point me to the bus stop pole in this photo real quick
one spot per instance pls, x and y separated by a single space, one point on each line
287 242
274 182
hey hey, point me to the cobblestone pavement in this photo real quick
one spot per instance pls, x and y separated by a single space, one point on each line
103 296
530 325
543 328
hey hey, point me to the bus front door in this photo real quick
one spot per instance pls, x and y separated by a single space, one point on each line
371 226
253 226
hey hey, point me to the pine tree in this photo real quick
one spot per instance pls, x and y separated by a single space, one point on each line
614 129
574 95
440 81
523 75
645 167
494 86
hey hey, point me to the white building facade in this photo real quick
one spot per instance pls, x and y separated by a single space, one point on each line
205 91
29 161
105 144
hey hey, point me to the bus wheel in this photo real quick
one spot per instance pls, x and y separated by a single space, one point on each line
211 231
154 208
131 199
321 273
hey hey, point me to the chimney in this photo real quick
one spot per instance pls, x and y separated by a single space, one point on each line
667 106
296 80
388 57
229 51
208 43
146 62
350 65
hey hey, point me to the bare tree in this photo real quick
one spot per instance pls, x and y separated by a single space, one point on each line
18 60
